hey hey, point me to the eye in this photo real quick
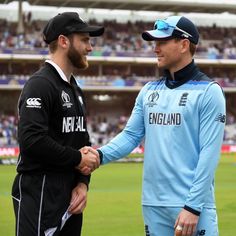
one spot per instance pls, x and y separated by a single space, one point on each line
93 42
163 42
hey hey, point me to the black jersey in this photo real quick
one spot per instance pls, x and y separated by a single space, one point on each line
52 123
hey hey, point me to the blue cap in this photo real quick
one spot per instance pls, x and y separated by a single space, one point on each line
173 27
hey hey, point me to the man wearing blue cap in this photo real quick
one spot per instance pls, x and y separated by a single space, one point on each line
182 117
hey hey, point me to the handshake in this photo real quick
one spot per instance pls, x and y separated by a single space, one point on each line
90 160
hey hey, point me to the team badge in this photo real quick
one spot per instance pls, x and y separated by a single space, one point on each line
152 99
66 99
183 99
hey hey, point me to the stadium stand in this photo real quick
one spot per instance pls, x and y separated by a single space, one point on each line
216 42
119 65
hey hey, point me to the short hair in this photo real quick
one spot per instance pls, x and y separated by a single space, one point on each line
192 46
53 46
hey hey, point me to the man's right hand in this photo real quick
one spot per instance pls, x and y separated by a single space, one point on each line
90 160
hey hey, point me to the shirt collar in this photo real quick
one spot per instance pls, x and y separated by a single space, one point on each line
58 69
182 76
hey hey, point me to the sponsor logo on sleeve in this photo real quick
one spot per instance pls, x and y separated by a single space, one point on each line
221 118
33 103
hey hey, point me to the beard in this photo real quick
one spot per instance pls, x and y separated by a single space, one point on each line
76 59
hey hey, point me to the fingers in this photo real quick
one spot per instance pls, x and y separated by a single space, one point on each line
78 205
85 170
189 230
178 230
95 152
90 160
85 149
186 223
176 222
78 199
184 230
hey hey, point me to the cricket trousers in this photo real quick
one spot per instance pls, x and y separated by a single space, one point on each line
40 204
159 221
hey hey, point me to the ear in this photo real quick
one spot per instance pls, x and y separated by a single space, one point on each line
185 44
63 41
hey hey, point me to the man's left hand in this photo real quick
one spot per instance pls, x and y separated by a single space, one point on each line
78 199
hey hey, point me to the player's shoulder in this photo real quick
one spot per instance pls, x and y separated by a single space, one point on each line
210 83
201 81
152 85
213 91
41 79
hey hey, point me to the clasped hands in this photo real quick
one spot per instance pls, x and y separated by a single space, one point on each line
90 160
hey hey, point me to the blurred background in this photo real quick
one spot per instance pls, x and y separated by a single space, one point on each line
120 64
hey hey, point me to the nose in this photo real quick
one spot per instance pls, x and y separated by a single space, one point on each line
156 47
89 47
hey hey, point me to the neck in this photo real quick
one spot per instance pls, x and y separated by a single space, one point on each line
61 61
180 66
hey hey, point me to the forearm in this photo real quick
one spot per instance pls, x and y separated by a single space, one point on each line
119 147
85 179
49 152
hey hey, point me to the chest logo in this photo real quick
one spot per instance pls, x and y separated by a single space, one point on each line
183 99
152 99
66 99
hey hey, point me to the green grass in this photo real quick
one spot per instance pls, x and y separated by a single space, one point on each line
114 200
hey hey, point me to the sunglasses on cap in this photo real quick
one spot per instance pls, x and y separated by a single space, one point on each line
163 25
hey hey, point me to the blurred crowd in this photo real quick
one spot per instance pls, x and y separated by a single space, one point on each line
8 130
101 129
224 77
215 43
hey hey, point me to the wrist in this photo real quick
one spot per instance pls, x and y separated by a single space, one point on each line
100 155
193 211
83 186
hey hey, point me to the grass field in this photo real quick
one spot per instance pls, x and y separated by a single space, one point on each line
114 199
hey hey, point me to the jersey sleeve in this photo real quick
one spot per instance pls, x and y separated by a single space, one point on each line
35 105
212 122
129 138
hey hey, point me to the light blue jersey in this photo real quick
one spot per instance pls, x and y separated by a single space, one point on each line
183 128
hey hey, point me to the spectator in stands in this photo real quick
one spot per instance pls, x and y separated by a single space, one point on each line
50 191
213 51
7 130
116 42
182 117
